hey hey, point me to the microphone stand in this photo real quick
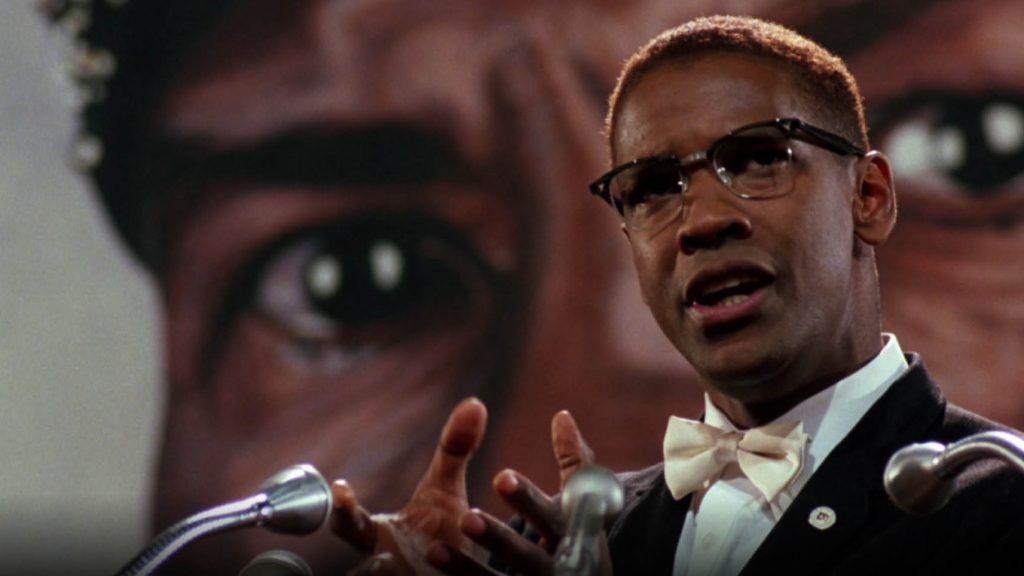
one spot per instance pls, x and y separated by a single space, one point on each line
296 500
919 478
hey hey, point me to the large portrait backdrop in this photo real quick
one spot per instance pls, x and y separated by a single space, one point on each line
304 231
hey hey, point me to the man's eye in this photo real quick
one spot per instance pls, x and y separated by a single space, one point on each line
754 156
974 142
364 282
649 183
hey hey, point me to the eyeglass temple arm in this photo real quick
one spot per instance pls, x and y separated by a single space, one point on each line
830 141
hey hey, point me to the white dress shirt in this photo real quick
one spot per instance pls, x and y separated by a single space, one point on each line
728 520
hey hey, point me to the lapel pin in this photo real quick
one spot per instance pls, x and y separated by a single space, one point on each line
822 518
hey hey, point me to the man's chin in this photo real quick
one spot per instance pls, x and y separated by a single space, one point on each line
745 374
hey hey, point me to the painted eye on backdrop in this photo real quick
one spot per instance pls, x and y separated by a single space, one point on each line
964 145
362 284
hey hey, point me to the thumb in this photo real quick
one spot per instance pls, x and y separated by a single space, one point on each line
571 451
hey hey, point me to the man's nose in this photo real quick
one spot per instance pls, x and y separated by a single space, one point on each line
711 215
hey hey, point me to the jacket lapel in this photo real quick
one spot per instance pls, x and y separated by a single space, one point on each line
848 485
644 538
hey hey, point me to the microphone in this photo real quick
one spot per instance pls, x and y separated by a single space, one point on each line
296 500
592 495
276 563
919 478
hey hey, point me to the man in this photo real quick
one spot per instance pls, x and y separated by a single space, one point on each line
753 208
358 213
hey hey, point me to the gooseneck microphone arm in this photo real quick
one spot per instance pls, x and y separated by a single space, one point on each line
296 500
237 514
920 478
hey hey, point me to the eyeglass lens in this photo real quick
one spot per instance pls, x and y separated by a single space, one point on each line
754 163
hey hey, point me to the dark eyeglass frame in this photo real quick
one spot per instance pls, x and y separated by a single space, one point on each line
791 128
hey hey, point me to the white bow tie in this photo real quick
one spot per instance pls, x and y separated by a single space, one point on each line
770 456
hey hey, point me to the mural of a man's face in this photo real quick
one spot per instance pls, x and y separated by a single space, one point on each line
391 214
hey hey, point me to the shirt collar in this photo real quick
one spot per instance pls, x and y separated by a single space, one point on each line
829 415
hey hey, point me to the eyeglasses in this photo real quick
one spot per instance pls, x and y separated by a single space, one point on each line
753 161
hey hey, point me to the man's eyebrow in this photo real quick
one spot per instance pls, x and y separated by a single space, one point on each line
371 156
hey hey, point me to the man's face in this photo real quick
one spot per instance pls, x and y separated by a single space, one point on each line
436 241
761 296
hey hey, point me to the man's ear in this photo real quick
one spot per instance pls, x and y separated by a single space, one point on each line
874 206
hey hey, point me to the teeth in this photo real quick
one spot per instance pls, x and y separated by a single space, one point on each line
730 284
734 299
724 286
727 290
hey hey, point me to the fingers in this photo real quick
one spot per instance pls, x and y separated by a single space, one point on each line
505 544
571 451
432 512
460 438
349 520
541 511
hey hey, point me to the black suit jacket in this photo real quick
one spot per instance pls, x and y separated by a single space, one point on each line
980 531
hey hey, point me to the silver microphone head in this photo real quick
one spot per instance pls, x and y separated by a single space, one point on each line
597 482
298 498
913 480
276 563
590 497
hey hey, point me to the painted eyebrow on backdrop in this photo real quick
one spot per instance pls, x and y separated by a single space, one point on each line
176 177
370 156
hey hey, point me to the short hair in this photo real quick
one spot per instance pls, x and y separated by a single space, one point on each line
822 76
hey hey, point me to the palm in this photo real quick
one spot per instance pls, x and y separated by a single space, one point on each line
433 512
436 505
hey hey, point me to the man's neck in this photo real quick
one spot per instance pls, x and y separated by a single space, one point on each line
746 413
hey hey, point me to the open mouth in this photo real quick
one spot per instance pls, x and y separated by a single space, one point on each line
729 292
728 295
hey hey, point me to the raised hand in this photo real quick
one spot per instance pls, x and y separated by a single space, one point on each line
521 554
396 543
